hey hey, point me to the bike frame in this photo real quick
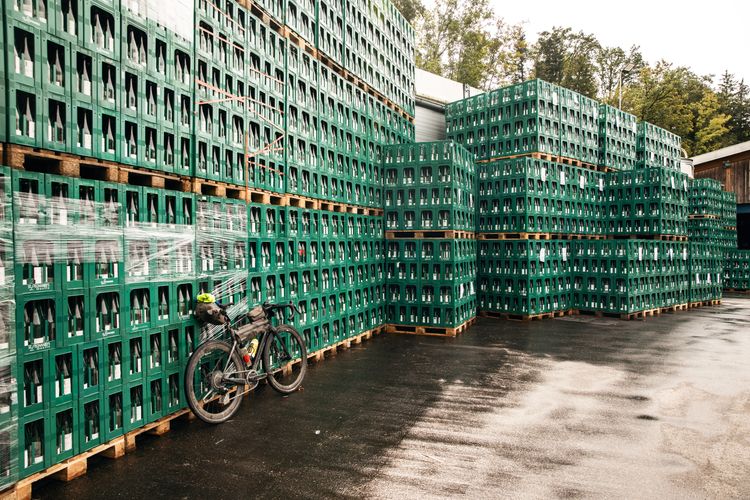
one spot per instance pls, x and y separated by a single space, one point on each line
262 341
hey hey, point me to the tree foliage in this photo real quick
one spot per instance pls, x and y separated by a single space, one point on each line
468 42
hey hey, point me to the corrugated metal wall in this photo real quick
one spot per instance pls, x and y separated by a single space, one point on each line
430 124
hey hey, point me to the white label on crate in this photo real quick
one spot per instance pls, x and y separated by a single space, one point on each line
562 178
63 216
656 253
542 254
697 278
68 441
86 87
601 184
640 253
95 435
565 254
672 181
582 181
671 254
684 254
87 141
709 279
544 174
118 371
2 275
138 365
39 394
66 386
684 184
26 458
38 275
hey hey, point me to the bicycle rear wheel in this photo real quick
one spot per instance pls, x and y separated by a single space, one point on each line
209 395
285 359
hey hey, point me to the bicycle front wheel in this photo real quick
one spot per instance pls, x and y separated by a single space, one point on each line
285 359
209 394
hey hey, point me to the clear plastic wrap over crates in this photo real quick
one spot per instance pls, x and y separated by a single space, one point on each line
8 390
73 233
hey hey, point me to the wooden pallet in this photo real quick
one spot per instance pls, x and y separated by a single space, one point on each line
426 235
221 189
705 303
526 317
82 167
703 216
55 162
265 197
515 236
656 237
297 40
77 466
675 308
333 349
431 331
294 200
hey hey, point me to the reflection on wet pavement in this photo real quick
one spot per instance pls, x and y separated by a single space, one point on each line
573 407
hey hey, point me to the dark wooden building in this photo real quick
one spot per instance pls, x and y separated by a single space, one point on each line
731 167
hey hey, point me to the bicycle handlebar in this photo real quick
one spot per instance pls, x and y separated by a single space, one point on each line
271 308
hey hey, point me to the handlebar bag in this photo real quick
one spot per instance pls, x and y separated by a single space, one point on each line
209 312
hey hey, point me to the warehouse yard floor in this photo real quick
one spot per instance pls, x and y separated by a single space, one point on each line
572 407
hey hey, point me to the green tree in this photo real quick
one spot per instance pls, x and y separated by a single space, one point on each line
709 125
567 58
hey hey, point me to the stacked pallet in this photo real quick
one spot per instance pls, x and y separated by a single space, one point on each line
430 247
713 214
165 149
558 173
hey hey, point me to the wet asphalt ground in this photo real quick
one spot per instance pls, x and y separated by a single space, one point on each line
576 407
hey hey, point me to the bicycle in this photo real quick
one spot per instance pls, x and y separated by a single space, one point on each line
218 373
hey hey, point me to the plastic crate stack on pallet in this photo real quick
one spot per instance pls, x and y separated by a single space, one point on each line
534 117
737 270
629 278
97 79
713 216
8 371
523 279
647 202
235 97
706 272
528 195
105 280
430 246
554 166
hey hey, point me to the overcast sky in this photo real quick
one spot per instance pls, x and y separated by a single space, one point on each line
708 35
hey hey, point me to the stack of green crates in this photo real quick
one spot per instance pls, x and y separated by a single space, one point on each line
524 118
524 277
104 289
713 214
657 147
8 372
429 186
646 202
627 276
431 282
737 269
618 132
530 117
706 271
466 124
106 81
430 277
539 196
105 280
